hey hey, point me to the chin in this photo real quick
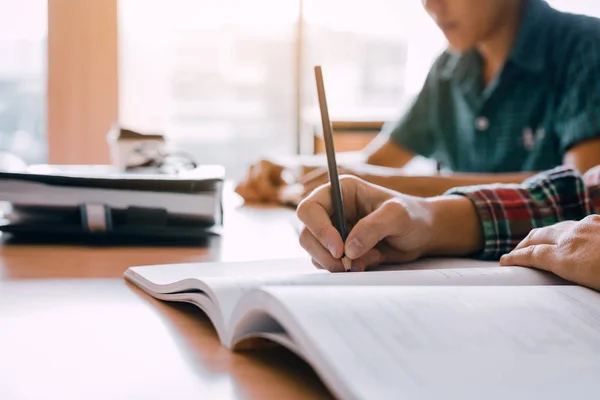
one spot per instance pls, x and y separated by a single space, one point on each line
460 47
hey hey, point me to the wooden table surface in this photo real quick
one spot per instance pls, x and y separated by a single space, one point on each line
72 328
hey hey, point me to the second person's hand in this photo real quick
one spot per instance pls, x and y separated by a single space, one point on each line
568 249
262 183
319 176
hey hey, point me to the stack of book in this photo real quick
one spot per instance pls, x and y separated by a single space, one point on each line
100 201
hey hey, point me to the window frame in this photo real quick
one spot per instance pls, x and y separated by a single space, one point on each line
82 81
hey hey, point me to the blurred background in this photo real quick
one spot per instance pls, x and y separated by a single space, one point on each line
228 81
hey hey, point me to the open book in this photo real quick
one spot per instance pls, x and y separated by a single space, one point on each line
434 330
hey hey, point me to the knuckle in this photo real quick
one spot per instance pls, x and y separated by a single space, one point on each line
346 180
349 179
594 218
304 238
535 252
395 210
304 210
528 252
533 233
589 224
393 205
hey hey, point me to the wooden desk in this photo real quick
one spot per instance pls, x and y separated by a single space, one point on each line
72 328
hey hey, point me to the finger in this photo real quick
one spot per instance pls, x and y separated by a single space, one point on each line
274 172
319 253
376 226
538 236
262 185
290 194
247 193
314 213
371 259
542 256
316 264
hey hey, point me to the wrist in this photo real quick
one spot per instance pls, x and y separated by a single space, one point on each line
456 229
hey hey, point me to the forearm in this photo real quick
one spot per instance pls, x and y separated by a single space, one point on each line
489 221
429 186
384 152
456 227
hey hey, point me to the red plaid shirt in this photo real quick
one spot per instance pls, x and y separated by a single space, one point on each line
509 212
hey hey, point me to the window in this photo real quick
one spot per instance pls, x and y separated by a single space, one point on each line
375 55
218 77
23 31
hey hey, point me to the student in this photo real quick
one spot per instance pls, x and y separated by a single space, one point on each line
517 92
479 221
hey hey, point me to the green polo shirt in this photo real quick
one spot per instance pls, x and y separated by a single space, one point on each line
545 100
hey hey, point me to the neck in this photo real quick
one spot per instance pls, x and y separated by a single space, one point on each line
497 45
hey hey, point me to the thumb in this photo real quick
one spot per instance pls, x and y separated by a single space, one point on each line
375 227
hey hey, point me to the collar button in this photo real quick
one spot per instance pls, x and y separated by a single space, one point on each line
482 124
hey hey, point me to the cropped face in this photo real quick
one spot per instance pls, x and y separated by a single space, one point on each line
467 22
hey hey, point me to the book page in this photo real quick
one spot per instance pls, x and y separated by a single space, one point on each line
166 278
446 342
226 283
227 291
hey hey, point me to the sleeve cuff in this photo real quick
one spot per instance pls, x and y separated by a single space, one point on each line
496 231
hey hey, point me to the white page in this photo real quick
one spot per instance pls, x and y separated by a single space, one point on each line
228 291
448 342
229 282
162 278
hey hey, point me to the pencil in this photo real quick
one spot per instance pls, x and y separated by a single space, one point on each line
339 218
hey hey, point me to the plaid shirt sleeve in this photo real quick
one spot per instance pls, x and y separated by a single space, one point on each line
509 212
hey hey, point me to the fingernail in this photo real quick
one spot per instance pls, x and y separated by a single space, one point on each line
331 249
354 248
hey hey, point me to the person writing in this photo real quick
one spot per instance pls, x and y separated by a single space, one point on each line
517 92
549 221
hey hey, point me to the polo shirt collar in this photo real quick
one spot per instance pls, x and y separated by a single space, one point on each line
530 46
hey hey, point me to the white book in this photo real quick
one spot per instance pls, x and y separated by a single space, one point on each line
103 202
428 330
194 193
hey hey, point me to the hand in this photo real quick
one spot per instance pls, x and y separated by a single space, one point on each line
320 176
569 249
263 183
385 226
